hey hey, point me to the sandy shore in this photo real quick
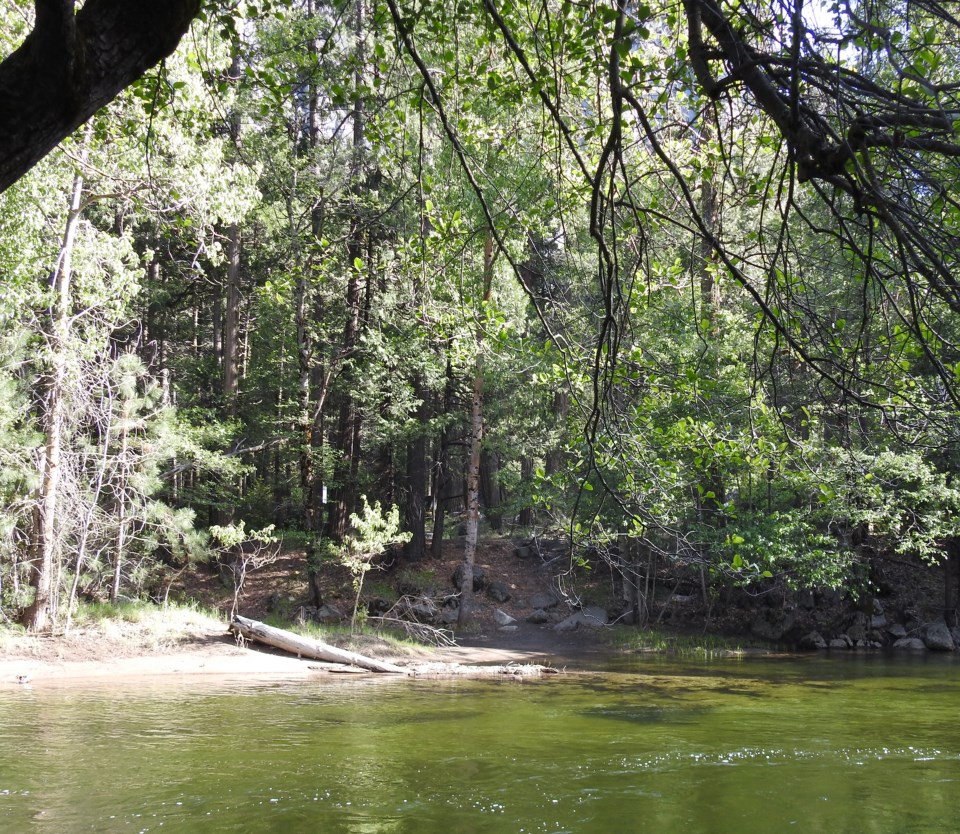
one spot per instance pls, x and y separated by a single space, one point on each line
210 654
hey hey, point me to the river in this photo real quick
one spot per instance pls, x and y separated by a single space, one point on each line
813 744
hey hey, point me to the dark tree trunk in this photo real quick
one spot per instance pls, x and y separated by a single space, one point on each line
416 480
441 484
490 488
525 518
71 65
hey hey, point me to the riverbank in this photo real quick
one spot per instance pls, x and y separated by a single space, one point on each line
184 646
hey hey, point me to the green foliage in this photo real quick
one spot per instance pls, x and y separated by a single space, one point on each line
373 532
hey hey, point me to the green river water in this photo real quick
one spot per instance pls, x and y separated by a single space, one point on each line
806 744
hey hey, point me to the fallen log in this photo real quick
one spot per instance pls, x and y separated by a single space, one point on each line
305 647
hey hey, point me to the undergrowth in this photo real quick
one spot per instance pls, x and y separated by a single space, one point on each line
654 641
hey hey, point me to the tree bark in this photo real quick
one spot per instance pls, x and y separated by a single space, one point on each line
39 615
441 485
416 481
231 322
476 439
71 65
305 647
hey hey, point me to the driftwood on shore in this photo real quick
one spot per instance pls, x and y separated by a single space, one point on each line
305 647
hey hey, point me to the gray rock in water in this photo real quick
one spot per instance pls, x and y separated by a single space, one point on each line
896 631
938 638
838 643
544 600
498 592
913 643
813 640
538 617
502 618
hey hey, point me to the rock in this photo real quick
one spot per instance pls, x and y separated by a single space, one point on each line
813 640
878 621
498 592
937 637
448 616
479 577
594 616
772 625
896 631
522 552
423 610
838 643
806 600
590 617
502 618
545 600
538 617
508 628
328 614
857 632
913 643
877 608
571 623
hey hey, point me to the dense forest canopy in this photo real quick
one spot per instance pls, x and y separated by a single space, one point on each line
677 277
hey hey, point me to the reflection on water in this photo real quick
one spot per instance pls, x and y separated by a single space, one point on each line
807 744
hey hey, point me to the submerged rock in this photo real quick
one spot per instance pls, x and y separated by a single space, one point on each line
813 640
912 643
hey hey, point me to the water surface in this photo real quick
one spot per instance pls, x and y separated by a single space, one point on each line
804 744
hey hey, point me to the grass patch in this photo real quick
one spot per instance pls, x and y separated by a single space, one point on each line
701 646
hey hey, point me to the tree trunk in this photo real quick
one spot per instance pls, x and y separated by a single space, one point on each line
305 647
525 518
554 457
476 439
349 427
490 488
416 481
38 617
231 322
71 65
473 498
441 486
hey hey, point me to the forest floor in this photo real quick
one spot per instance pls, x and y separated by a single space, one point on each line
190 639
